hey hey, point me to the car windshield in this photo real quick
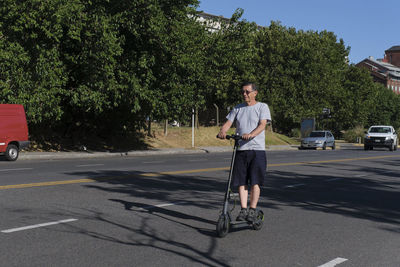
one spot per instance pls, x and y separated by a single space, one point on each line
317 134
380 130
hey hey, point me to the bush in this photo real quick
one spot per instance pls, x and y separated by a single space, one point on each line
352 134
295 133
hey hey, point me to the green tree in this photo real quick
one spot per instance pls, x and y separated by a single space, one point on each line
32 73
230 61
300 71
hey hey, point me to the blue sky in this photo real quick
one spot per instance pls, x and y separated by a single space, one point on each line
369 27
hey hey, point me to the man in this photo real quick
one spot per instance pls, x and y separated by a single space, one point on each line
251 118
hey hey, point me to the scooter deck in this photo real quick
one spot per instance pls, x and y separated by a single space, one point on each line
240 222
236 224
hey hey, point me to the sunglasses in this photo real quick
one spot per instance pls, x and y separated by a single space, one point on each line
247 92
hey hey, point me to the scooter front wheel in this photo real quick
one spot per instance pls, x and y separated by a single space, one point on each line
223 225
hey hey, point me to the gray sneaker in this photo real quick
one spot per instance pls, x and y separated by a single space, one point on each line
242 215
251 215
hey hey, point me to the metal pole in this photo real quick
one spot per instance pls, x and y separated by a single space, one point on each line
192 127
217 114
165 127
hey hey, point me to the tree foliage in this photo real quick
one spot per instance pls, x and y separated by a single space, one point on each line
105 66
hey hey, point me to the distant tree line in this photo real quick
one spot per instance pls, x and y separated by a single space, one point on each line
104 67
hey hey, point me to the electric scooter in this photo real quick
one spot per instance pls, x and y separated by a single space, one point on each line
225 222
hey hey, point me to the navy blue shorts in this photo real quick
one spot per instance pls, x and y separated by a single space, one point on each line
250 168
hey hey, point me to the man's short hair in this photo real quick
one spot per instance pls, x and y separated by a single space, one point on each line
252 84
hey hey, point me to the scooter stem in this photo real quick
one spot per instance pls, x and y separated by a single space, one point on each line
228 186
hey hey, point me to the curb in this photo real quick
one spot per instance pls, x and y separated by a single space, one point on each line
88 154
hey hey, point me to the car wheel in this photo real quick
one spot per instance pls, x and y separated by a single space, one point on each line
334 146
324 146
12 152
371 148
366 147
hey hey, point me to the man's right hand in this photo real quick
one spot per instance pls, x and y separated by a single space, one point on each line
224 129
221 135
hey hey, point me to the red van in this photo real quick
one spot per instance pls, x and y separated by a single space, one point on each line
13 130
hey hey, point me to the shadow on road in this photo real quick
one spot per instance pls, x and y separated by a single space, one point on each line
365 192
373 196
136 191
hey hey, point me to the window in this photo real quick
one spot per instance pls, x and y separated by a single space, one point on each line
380 130
317 134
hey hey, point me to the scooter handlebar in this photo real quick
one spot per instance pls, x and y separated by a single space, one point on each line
233 136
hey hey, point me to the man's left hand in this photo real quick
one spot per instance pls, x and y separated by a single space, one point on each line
247 136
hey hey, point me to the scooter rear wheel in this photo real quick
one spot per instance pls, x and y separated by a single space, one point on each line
223 225
258 224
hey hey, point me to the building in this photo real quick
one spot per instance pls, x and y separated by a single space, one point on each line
213 23
392 56
385 71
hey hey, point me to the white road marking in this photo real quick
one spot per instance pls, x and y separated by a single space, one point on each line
89 165
19 169
160 205
149 162
36 226
333 262
360 175
195 160
293 185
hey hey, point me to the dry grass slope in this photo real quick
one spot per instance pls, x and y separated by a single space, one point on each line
181 137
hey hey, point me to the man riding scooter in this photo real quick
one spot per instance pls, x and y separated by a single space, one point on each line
250 163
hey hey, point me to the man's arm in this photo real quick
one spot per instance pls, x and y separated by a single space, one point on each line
261 127
224 129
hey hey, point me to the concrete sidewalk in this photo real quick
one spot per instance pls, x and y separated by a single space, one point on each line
165 151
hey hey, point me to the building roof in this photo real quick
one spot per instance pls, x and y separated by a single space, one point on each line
395 48
387 68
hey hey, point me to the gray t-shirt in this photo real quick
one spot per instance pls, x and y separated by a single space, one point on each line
247 119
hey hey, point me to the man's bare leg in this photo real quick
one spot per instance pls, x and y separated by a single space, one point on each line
243 194
254 196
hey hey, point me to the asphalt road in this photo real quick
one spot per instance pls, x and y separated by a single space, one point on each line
323 208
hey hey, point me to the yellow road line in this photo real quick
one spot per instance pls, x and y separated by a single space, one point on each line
329 161
155 174
47 183
89 180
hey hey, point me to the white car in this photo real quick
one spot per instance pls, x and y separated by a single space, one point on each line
317 139
381 136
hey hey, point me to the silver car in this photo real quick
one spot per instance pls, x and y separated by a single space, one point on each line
317 139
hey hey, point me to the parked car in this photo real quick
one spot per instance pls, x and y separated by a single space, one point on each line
13 130
317 139
381 136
